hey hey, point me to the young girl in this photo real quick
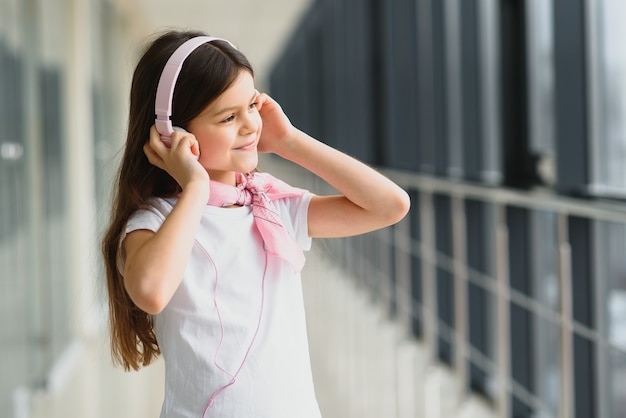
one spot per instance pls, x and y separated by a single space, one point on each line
203 254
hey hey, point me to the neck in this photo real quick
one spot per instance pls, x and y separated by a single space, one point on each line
228 178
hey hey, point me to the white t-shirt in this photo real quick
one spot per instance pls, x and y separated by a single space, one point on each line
226 269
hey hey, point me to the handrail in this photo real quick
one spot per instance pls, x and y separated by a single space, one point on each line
538 199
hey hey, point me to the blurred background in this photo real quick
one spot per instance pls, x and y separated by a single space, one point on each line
503 292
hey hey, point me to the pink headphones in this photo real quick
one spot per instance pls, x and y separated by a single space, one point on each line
165 89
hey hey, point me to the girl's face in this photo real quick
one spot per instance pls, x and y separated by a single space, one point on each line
228 131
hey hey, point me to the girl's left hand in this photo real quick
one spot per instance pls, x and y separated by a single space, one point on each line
277 129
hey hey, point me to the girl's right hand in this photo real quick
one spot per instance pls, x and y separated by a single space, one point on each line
180 160
156 261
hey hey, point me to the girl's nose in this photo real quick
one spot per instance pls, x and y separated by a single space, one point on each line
251 122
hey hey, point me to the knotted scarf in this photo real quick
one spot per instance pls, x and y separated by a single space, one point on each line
259 190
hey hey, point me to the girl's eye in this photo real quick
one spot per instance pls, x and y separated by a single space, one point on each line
252 105
228 119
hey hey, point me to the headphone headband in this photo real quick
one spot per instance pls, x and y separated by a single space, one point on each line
165 89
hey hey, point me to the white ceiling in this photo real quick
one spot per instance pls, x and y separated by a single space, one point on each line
258 28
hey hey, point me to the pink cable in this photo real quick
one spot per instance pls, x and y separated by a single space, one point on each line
219 317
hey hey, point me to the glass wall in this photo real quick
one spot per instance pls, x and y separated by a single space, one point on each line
610 249
17 279
41 296
606 22
505 120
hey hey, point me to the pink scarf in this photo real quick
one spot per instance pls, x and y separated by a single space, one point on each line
259 190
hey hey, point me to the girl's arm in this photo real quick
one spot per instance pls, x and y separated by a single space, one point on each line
368 200
155 262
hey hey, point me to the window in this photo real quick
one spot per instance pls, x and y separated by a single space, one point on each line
608 69
540 72
480 103
15 246
611 283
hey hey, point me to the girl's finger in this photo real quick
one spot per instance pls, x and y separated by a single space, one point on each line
185 140
195 148
152 156
261 99
156 144
257 100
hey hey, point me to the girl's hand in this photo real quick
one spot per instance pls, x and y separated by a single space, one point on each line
277 130
180 160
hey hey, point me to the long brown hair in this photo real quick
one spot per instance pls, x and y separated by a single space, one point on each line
206 73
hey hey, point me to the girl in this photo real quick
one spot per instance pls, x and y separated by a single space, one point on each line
203 254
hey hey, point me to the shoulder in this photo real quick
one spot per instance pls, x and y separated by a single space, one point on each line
157 205
152 215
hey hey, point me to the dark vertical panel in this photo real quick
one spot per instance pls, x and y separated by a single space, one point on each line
280 82
476 241
584 377
399 85
471 87
331 87
440 122
299 106
513 86
478 335
416 266
353 59
378 107
571 96
301 76
518 224
276 80
392 275
520 409
445 282
580 239
582 287
425 94
431 73
315 83
339 51
478 299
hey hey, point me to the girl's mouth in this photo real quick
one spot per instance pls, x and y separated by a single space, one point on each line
247 147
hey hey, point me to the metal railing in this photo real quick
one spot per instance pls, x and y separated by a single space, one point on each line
356 255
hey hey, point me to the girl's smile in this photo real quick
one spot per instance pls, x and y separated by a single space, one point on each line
228 131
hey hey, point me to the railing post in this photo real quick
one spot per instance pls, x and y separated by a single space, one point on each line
460 290
567 344
503 313
427 248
